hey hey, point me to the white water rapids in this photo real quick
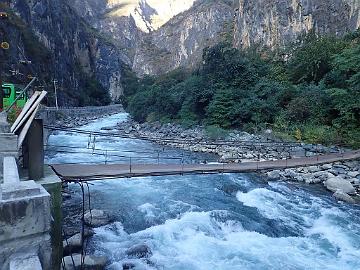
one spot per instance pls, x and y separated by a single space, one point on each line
220 222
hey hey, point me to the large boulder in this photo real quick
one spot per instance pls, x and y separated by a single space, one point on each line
311 179
90 263
353 174
274 174
96 218
290 173
323 176
313 169
326 167
339 195
74 243
337 183
128 265
139 251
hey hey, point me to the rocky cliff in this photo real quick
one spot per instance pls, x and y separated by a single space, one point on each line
63 47
159 36
180 42
275 23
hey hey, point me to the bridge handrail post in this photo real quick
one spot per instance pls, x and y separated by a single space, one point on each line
130 166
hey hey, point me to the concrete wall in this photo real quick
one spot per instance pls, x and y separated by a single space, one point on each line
24 222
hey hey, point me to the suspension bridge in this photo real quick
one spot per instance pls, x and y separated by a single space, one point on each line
116 166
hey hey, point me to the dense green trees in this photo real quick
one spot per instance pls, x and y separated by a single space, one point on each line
309 91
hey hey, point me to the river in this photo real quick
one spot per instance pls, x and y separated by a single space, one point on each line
205 222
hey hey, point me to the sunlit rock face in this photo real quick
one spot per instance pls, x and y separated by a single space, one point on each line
277 22
149 15
123 19
180 42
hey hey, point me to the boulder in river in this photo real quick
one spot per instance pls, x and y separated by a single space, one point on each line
91 262
139 251
337 183
274 174
343 197
128 266
73 244
353 174
97 218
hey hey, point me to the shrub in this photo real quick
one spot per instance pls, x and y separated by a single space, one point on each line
215 132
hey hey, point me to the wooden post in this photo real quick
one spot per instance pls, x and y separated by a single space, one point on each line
35 145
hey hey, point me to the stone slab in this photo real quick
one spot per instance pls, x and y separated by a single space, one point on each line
20 190
8 142
10 171
24 216
25 262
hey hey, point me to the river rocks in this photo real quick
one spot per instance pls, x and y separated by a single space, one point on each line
353 174
323 175
74 243
90 263
313 169
107 128
290 173
326 166
128 266
336 183
274 174
96 218
342 196
139 251
250 147
312 179
230 189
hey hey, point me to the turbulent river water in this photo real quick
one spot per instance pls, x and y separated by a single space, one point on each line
205 222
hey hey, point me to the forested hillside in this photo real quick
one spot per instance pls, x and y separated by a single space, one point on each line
308 91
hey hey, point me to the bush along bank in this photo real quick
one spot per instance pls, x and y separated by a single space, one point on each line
308 91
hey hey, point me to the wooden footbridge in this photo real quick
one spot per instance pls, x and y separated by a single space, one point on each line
90 172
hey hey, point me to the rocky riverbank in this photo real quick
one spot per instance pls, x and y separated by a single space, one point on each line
342 178
235 146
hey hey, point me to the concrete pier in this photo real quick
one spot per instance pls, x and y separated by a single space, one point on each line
8 147
24 222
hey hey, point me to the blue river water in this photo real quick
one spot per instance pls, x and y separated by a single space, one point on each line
205 222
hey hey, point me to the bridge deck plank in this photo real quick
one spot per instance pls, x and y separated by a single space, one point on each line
88 172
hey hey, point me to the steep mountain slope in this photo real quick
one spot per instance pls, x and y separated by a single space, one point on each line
181 41
148 15
49 31
124 21
159 36
274 23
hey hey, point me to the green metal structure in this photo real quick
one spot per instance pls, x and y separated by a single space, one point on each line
10 93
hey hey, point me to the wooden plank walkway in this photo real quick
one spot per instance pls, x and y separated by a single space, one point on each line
88 172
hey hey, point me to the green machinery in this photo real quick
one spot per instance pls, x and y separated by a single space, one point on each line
11 92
